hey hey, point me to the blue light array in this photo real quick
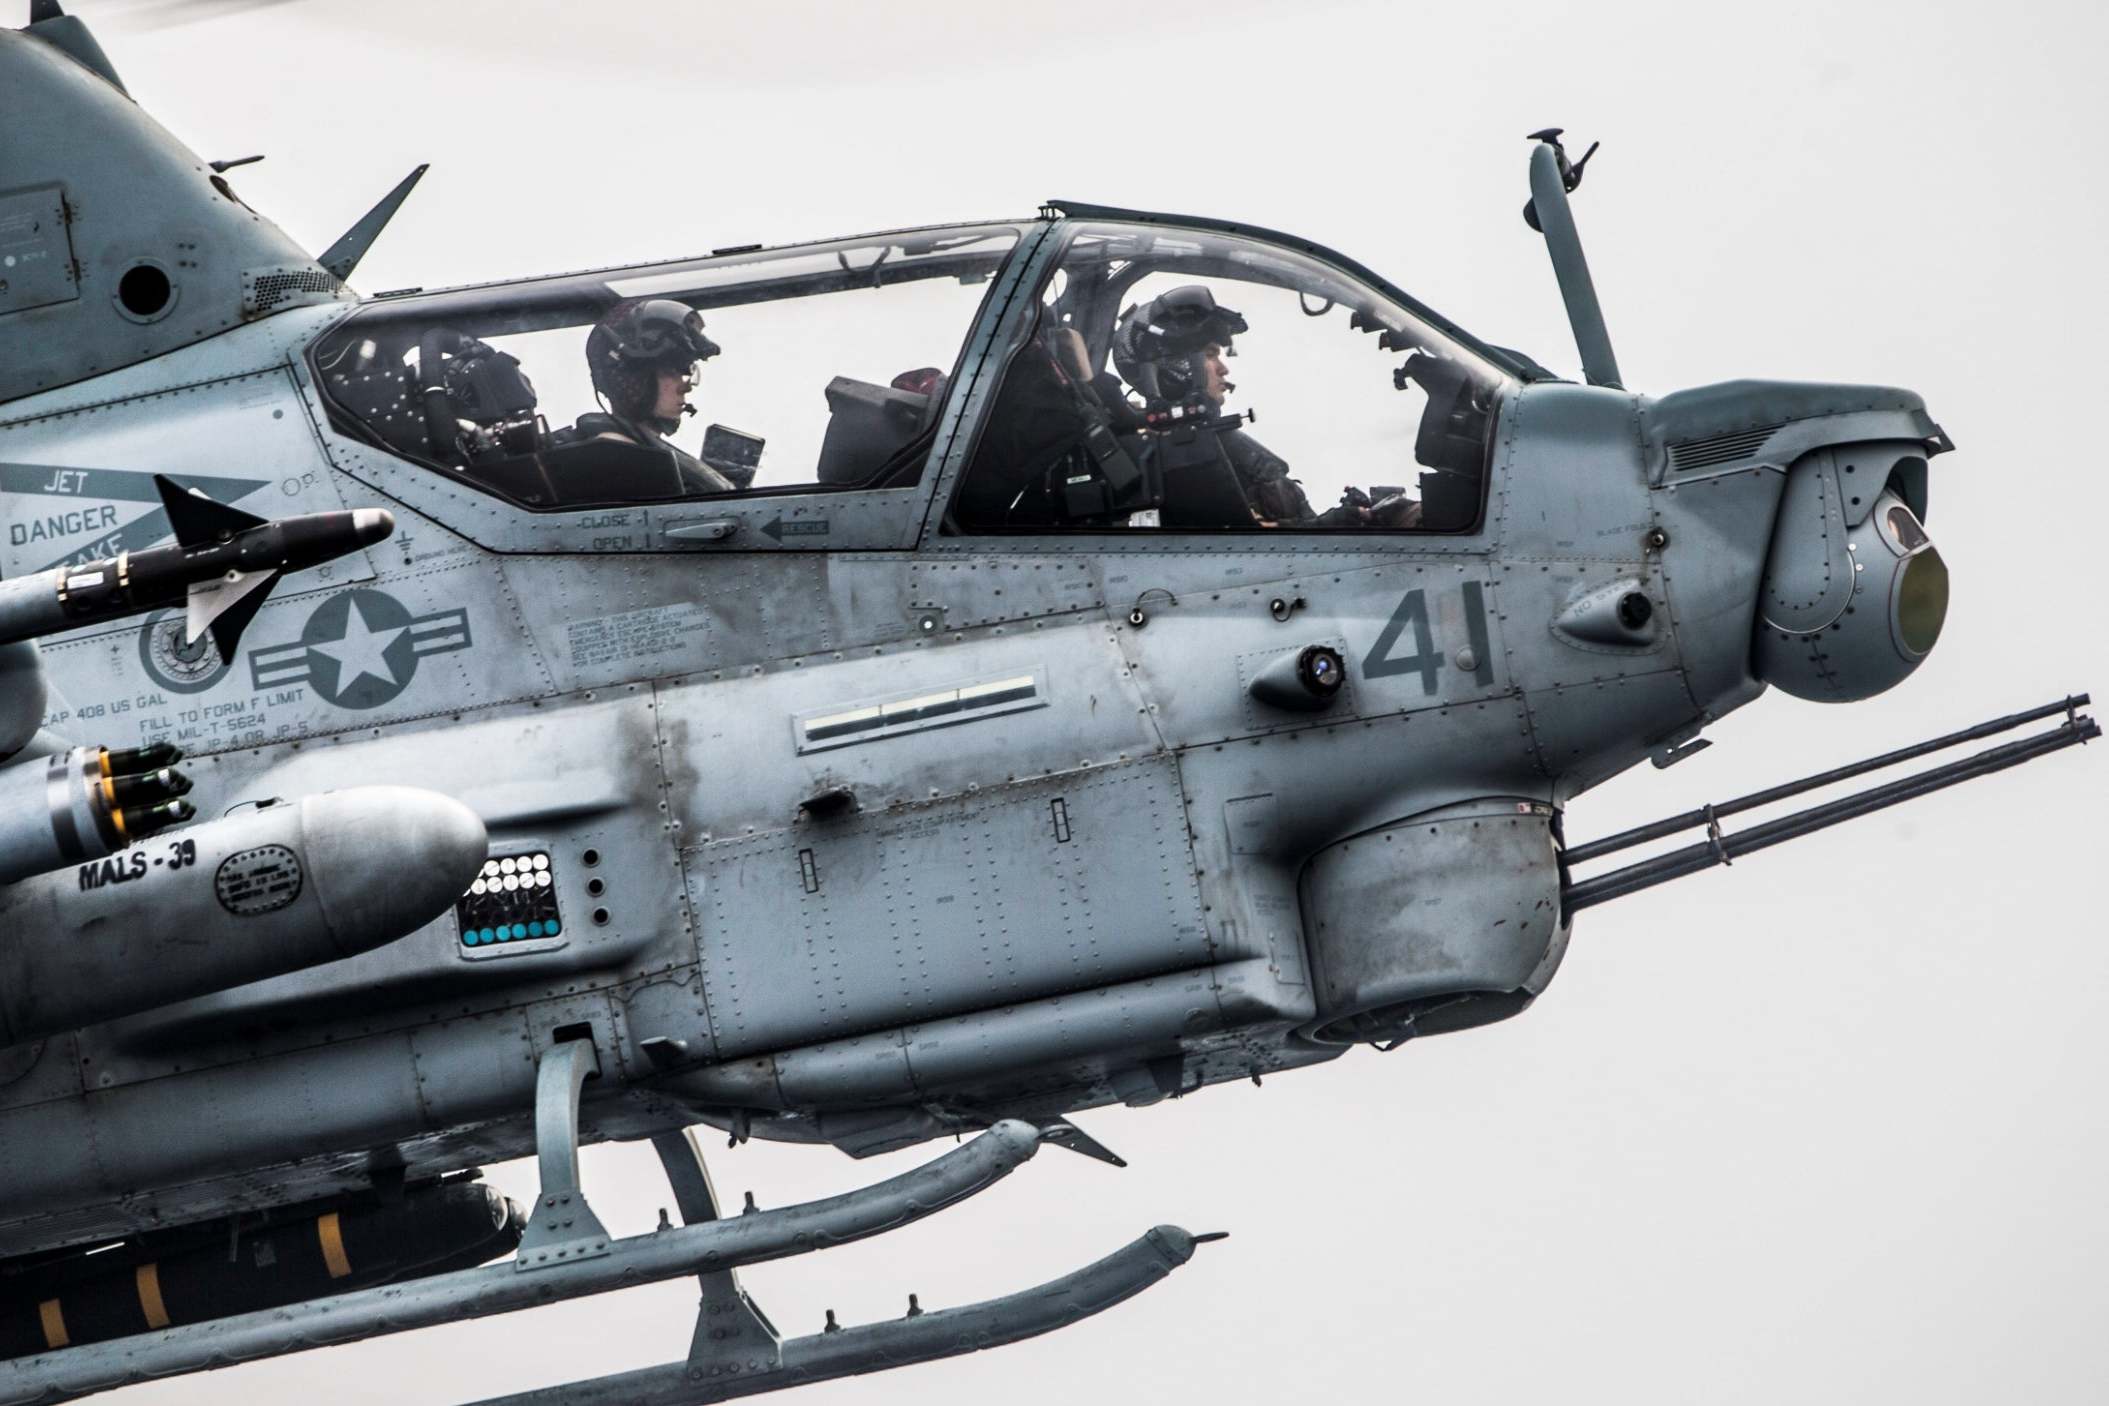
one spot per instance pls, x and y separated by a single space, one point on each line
513 932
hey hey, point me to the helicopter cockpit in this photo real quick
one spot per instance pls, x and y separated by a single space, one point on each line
835 362
1170 375
1345 406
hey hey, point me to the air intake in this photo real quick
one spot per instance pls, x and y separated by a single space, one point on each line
267 290
1720 448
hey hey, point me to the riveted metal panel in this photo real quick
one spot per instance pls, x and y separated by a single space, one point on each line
1587 732
136 197
1346 775
39 1071
602 621
475 1068
1046 1040
192 1124
36 250
1530 596
1413 634
1595 505
731 740
1464 900
413 646
78 484
839 927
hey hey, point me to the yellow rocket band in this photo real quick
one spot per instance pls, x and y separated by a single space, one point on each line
148 1278
54 1323
331 1234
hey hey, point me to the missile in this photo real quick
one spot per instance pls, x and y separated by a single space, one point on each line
200 1272
86 803
652 1257
229 901
223 564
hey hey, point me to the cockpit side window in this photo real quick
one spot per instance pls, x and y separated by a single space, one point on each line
1191 380
819 367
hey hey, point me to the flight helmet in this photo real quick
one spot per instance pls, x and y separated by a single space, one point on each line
1157 345
639 338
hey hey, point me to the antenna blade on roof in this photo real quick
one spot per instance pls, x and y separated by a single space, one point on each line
343 256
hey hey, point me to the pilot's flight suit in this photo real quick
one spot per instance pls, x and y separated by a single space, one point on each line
696 476
1279 499
1264 475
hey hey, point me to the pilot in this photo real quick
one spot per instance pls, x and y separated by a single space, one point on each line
643 357
1171 351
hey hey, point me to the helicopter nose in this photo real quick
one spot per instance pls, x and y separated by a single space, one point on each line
1852 600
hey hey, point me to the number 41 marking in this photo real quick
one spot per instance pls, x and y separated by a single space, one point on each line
1426 660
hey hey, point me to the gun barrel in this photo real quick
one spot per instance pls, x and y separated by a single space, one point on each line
1693 819
1722 849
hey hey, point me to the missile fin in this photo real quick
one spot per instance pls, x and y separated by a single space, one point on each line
197 519
226 606
1063 1133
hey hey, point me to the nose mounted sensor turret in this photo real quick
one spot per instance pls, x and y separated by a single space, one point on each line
1854 595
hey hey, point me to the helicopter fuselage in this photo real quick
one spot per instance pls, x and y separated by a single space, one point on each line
859 828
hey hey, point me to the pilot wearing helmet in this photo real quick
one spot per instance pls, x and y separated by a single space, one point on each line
643 356
1170 350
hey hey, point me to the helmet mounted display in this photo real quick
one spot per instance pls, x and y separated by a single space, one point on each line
637 340
1157 345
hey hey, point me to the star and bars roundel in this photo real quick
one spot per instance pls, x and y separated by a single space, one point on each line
359 649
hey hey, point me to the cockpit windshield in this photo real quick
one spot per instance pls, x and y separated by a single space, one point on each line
755 370
1194 379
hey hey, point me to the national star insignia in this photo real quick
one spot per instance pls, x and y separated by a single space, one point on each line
361 651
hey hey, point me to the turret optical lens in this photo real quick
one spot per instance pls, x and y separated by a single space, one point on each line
1922 601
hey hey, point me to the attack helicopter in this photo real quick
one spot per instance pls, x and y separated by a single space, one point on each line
989 737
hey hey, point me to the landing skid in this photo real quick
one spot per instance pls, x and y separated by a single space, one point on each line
900 1342
565 1253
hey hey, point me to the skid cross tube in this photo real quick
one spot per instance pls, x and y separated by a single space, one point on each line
562 1225
1692 819
900 1342
1721 849
732 1333
659 1255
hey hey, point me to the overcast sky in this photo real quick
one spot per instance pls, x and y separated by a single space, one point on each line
1828 1127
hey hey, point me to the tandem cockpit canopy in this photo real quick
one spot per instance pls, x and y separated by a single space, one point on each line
1150 373
753 370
